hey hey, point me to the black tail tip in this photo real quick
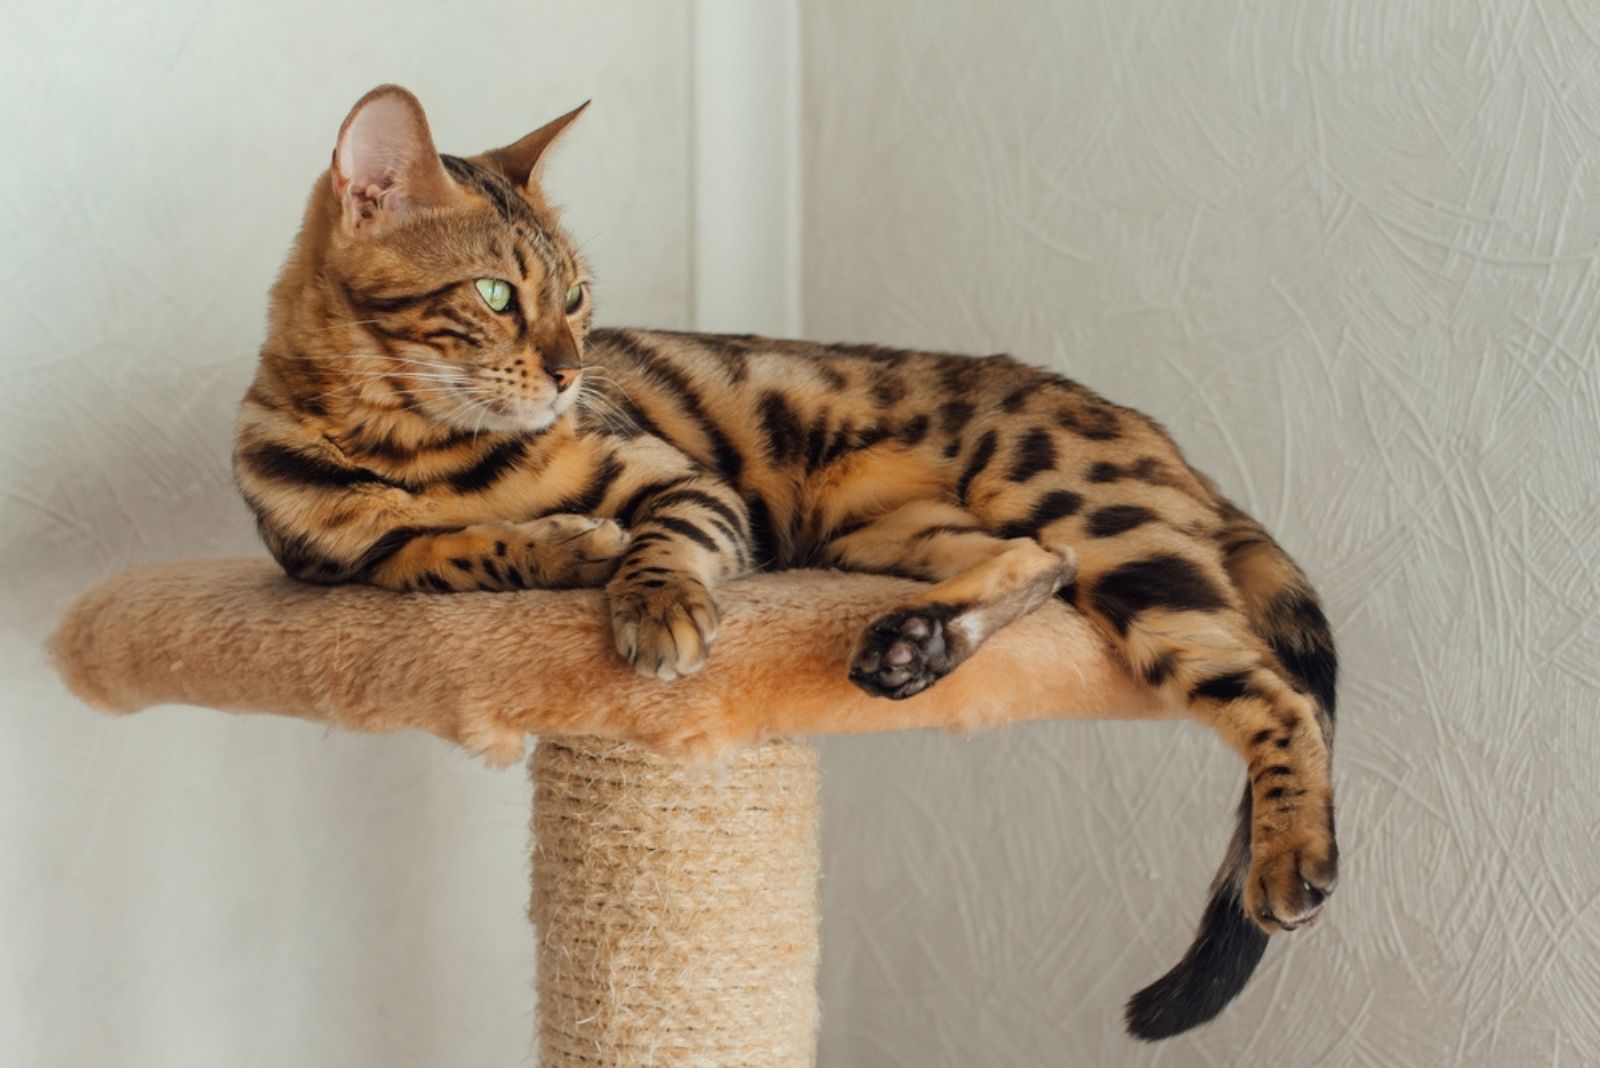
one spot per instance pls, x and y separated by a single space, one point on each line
1225 953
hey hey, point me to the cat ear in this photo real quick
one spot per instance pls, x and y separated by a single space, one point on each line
523 161
384 164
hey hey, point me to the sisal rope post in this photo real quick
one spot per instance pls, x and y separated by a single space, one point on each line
675 908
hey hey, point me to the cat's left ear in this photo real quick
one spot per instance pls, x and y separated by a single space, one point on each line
523 161
384 164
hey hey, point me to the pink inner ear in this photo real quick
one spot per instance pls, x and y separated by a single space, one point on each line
380 143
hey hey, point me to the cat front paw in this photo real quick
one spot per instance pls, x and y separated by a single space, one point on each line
663 626
574 551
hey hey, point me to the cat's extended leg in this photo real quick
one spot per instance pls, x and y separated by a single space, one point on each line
1152 576
982 582
1168 603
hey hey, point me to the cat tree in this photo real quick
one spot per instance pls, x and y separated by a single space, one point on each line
675 855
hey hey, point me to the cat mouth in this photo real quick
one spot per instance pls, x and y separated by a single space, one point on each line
481 408
510 414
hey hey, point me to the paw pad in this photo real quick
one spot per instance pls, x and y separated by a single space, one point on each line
902 654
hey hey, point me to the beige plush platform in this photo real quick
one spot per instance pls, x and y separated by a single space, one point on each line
676 914
484 670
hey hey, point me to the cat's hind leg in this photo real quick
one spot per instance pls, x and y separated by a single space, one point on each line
1168 603
982 582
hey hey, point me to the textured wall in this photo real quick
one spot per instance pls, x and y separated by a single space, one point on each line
185 889
1348 252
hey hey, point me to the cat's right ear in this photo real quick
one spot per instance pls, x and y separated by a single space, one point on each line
384 164
523 161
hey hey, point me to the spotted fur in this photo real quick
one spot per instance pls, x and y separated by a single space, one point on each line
403 433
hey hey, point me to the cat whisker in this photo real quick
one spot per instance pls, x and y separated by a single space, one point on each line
461 413
610 418
485 399
418 360
415 381
615 415
482 411
607 410
430 365
446 387
340 325
421 376
605 376
394 373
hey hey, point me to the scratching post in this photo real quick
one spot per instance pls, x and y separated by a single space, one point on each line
675 907
675 844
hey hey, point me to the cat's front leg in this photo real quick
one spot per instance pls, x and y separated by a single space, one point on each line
689 532
664 626
562 551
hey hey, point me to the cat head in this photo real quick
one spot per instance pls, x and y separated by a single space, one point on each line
449 283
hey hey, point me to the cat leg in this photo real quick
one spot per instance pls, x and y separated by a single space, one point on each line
1167 602
982 582
1151 575
554 552
690 530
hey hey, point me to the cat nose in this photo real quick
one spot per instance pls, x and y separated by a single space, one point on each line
565 376
562 360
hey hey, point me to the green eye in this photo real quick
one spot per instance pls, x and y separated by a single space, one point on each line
495 292
574 298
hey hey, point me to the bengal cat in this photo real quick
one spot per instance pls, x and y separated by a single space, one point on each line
433 411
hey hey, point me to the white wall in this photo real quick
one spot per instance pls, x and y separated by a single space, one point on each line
1348 250
184 888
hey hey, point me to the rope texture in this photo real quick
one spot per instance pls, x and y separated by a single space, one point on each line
675 908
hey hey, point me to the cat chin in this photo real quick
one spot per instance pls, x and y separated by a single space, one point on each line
519 419
538 423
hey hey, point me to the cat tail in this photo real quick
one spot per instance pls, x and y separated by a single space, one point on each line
1283 610
1221 959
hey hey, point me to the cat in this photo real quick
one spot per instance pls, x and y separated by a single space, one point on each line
434 411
